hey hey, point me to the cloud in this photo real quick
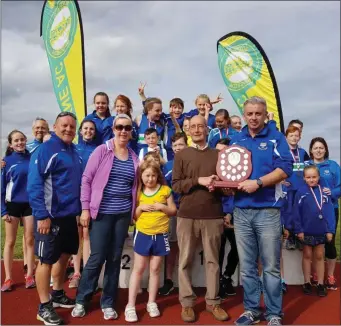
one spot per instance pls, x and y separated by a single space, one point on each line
172 46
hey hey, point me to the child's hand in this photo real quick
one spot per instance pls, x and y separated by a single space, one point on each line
286 183
227 221
218 99
300 236
208 107
286 234
141 88
3 164
329 237
147 208
158 206
327 191
270 115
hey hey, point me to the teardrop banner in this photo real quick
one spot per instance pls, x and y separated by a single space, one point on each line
247 72
62 32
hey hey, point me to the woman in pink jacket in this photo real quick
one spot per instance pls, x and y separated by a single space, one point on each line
108 197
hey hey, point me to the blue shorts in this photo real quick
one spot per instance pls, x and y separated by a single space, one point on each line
62 239
151 245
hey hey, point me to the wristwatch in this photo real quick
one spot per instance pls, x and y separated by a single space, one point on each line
260 183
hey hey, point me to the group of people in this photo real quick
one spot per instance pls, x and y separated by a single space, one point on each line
158 172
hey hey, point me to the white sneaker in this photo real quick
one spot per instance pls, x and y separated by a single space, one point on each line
130 314
153 309
109 313
78 311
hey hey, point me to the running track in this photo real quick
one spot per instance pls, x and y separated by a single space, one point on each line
19 307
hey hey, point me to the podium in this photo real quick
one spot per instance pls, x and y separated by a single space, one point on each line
198 268
292 267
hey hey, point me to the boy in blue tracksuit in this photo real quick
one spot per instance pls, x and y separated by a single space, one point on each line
291 184
257 212
54 194
179 142
176 109
314 223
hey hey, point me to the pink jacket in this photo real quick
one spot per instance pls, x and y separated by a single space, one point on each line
96 176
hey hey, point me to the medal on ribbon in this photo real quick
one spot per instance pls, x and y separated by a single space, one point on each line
319 205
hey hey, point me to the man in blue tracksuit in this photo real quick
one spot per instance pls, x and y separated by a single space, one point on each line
54 189
257 213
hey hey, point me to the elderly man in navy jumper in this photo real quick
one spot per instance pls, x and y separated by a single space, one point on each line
257 213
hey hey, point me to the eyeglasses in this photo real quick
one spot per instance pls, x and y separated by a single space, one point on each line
125 127
66 114
200 127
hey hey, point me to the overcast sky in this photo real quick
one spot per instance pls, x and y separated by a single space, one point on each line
172 46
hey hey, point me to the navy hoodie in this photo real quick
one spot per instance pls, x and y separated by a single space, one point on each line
306 212
269 150
54 180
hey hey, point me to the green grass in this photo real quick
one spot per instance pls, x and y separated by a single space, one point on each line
18 245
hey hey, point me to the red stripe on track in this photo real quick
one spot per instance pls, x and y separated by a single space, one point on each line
20 307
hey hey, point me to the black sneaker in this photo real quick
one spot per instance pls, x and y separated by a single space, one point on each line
321 290
222 291
167 288
307 288
62 301
48 316
228 286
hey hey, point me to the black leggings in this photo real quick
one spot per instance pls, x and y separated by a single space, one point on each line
232 258
330 249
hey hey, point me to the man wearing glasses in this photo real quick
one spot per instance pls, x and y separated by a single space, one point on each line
200 212
54 190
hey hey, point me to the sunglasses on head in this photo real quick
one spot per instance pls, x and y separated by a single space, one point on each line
125 127
66 114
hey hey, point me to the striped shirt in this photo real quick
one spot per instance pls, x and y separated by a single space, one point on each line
117 194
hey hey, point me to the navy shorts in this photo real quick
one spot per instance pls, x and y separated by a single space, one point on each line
151 245
312 241
62 239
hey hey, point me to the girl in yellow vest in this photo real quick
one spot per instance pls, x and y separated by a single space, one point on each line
155 205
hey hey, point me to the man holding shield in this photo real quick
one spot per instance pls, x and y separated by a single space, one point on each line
257 213
200 215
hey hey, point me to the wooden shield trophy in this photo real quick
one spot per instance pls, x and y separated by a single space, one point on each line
234 166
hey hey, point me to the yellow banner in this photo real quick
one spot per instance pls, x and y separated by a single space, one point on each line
247 72
62 32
